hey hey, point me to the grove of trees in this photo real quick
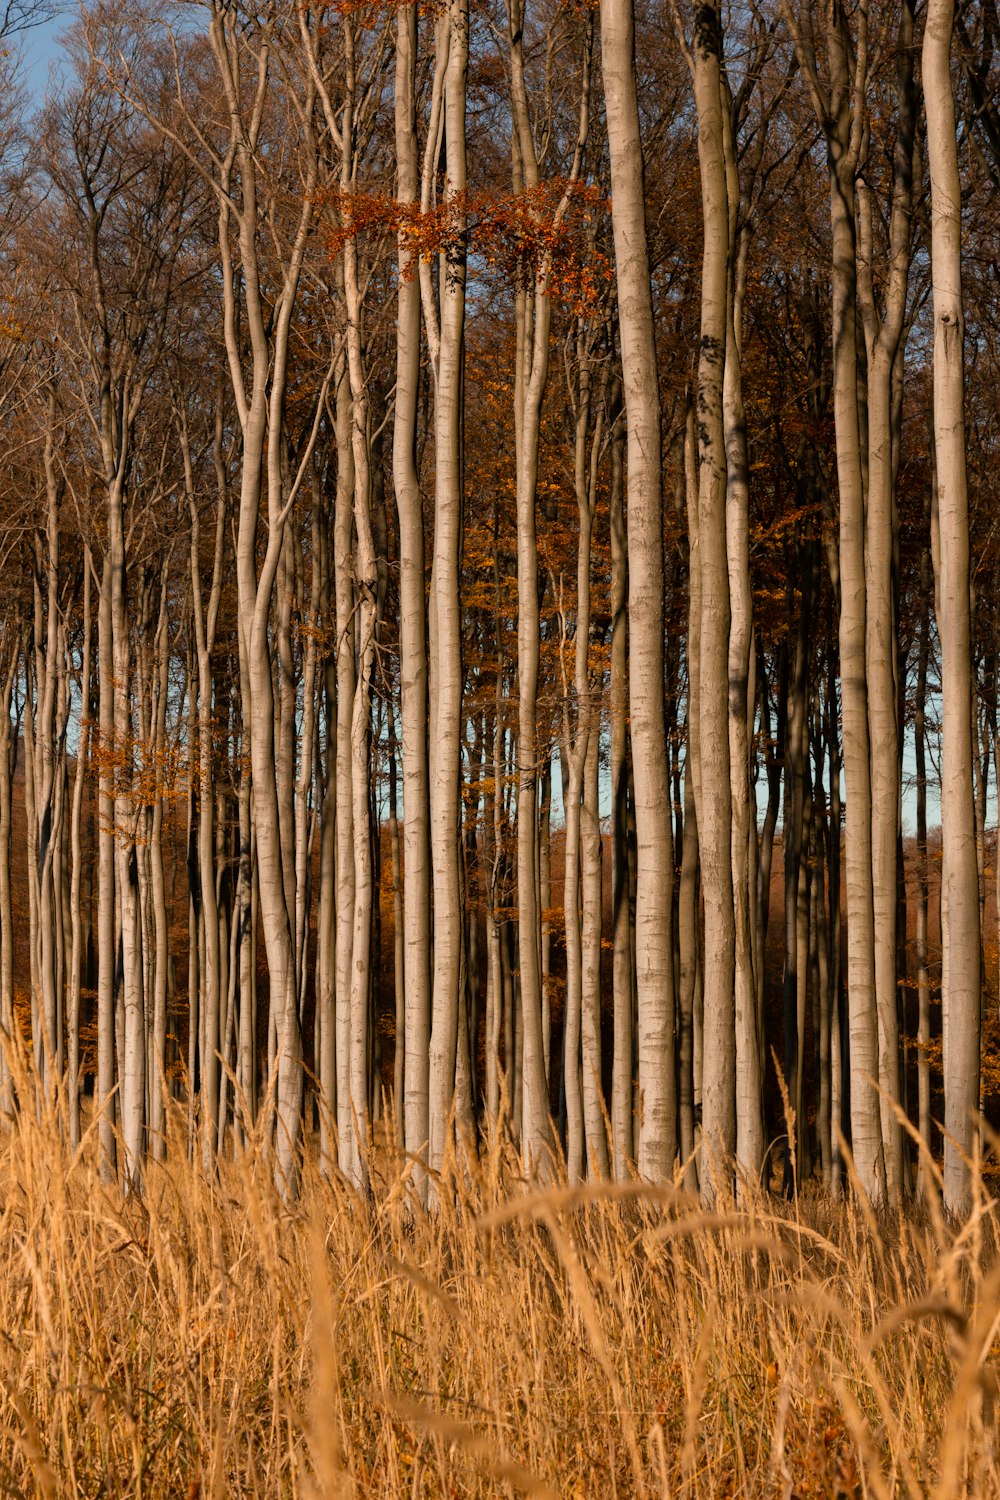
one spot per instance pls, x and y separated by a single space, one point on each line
499 585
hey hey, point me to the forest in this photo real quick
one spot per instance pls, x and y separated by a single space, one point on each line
500 747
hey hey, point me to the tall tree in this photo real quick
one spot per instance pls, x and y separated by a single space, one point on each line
653 957
961 979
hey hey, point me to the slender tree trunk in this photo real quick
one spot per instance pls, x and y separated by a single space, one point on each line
209 973
839 1057
398 943
545 901
193 915
586 1143
802 944
106 946
688 944
45 834
412 628
156 1072
653 956
12 655
715 824
621 1087
366 571
575 1146
598 1162
346 656
326 936
748 1080
961 979
133 1080
533 321
445 586
823 1008
923 966
883 342
774 750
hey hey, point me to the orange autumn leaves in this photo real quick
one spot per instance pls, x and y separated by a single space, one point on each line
545 233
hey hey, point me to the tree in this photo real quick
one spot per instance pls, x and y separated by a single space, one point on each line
961 978
653 959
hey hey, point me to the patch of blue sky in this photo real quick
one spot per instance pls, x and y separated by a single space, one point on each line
41 55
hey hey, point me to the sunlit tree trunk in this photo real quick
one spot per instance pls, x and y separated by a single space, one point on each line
326 936
398 943
748 1079
133 999
621 1084
586 1144
156 1075
493 803
446 634
715 825
882 337
205 622
415 1040
961 979
346 655
922 870
545 903
11 659
77 858
365 569
106 1103
533 318
42 738
653 956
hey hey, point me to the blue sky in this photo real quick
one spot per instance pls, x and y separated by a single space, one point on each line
40 52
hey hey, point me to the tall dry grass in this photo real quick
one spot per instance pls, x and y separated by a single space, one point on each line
214 1340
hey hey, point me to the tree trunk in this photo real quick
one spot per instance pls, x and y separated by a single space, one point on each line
715 823
621 1086
12 656
412 625
961 980
653 958
748 1080
445 800
923 966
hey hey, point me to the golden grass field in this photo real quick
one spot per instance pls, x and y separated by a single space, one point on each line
215 1340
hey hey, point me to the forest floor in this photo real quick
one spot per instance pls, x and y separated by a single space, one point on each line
214 1339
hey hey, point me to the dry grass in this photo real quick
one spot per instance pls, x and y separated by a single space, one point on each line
214 1340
